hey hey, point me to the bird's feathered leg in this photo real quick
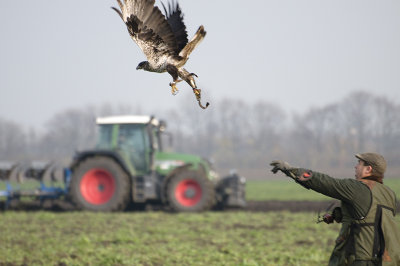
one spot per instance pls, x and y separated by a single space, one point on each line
173 71
188 77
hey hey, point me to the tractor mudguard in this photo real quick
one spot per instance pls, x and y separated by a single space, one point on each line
80 156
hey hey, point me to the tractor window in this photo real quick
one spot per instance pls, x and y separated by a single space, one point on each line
132 141
105 137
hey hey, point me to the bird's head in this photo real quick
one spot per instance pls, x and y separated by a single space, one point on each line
143 65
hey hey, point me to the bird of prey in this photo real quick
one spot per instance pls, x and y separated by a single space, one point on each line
163 39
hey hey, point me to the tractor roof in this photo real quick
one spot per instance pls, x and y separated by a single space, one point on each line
127 119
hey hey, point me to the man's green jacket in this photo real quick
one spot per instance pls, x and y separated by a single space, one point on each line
369 234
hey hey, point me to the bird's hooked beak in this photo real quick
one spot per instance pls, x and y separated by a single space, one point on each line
141 65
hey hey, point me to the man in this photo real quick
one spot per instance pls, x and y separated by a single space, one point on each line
369 234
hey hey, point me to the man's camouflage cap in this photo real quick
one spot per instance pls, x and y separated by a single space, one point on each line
376 161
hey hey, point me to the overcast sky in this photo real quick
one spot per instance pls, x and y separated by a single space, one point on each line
56 55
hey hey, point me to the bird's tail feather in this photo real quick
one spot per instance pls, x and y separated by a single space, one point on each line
121 8
197 38
119 12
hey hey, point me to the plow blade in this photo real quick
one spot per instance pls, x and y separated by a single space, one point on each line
36 180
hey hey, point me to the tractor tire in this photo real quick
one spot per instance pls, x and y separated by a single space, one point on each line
189 191
100 184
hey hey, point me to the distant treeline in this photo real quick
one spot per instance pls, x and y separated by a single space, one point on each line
233 133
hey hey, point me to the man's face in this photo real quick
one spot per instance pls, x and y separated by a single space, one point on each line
362 170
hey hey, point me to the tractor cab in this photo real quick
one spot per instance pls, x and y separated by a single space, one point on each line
134 138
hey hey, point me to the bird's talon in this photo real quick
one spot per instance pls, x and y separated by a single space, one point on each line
174 89
193 74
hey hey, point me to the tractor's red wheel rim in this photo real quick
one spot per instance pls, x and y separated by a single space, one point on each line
188 192
97 186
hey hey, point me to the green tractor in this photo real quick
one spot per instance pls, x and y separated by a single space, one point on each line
128 166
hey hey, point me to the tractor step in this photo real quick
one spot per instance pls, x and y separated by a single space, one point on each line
144 188
139 189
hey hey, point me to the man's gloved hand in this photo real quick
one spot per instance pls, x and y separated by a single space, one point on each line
280 165
298 174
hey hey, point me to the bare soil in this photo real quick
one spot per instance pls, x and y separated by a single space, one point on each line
292 206
252 206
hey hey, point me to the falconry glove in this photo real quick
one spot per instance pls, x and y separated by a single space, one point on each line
292 172
282 166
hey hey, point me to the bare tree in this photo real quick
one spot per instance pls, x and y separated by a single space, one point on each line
66 133
329 136
75 129
12 141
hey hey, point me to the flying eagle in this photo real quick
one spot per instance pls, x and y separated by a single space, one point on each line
163 39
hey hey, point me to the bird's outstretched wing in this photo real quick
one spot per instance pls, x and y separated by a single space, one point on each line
174 17
148 28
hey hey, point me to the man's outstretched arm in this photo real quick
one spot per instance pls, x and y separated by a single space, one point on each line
349 190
